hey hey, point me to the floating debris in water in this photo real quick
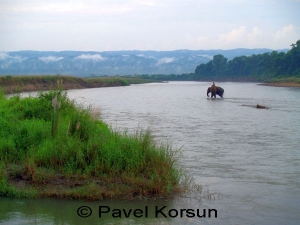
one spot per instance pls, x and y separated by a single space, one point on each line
261 107
257 106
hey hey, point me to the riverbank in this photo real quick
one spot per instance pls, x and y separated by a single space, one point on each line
282 84
52 147
17 84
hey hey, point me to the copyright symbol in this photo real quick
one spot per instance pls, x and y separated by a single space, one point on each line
84 211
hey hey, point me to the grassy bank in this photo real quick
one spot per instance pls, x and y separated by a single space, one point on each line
16 84
52 147
284 82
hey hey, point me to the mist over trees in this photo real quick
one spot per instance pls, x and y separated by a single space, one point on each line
259 67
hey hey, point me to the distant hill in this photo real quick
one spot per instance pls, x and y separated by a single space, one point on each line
87 63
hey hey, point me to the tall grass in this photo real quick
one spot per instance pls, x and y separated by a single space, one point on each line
295 79
16 84
122 165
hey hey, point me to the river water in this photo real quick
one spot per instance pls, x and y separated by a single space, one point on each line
247 158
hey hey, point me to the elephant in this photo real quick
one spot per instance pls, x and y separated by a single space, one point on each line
215 90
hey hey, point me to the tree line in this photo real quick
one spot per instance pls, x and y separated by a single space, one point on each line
166 77
257 67
261 67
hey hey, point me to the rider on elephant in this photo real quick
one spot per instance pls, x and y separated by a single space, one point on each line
213 90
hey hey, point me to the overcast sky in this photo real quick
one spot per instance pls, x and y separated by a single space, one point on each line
91 25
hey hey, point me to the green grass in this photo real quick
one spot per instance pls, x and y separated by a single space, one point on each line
67 152
295 79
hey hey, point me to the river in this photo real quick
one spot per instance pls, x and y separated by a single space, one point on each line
247 158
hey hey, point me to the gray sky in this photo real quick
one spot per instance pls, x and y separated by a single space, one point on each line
104 25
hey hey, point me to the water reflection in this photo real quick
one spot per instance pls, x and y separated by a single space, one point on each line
53 211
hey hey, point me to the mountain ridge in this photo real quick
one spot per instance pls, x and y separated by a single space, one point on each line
110 63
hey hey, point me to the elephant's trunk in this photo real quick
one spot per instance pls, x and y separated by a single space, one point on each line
208 91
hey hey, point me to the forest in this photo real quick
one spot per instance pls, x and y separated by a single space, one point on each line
262 67
274 66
